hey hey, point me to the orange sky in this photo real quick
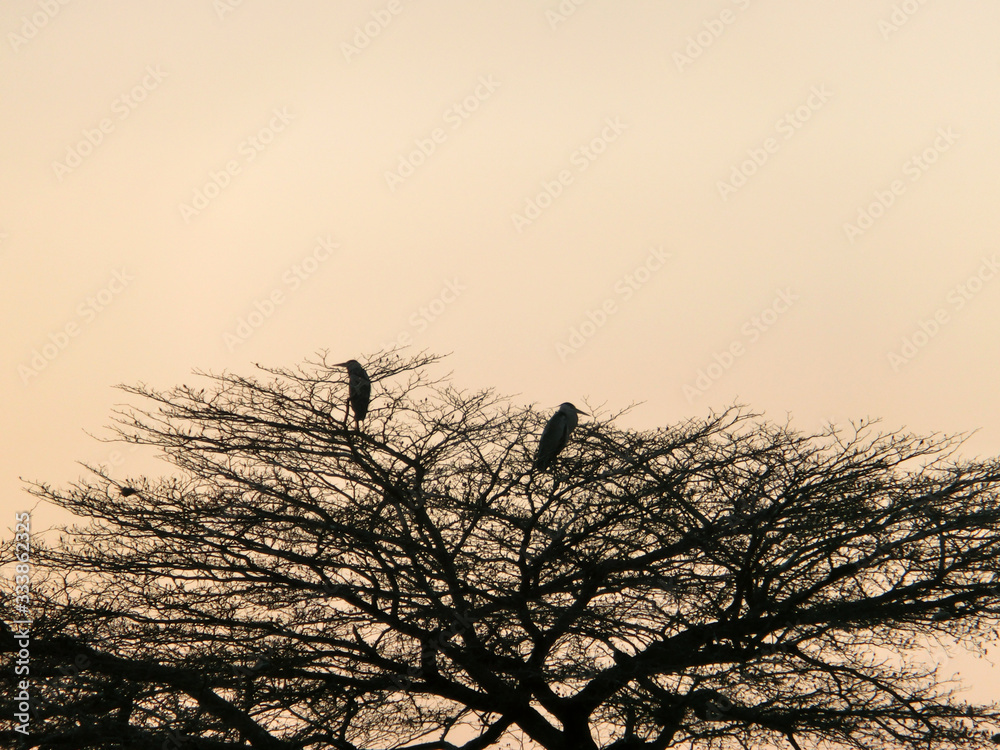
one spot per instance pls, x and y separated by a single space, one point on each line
682 204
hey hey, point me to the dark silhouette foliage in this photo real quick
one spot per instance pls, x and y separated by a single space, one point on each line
725 582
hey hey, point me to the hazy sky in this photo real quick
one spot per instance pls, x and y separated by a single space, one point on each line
685 204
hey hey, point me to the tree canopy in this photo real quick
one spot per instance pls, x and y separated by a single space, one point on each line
295 582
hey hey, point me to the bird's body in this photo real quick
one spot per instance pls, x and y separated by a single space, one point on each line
556 434
359 390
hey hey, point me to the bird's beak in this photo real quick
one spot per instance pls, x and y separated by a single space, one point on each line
582 412
341 364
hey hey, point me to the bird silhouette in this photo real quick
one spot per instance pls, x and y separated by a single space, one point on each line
359 390
556 434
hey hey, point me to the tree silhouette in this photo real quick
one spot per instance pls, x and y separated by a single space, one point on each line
294 583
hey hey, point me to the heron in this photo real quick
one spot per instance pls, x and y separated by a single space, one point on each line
556 434
359 390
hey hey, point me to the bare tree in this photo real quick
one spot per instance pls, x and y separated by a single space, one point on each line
299 583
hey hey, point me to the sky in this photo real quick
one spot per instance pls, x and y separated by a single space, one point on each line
678 205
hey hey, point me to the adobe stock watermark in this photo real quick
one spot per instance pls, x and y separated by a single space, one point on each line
291 280
915 167
623 290
786 126
420 320
21 628
957 298
751 332
86 313
713 29
439 641
31 25
559 14
581 158
901 14
122 106
364 34
116 459
224 7
249 149
454 116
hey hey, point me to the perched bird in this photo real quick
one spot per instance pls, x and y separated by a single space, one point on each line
359 391
556 434
128 491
